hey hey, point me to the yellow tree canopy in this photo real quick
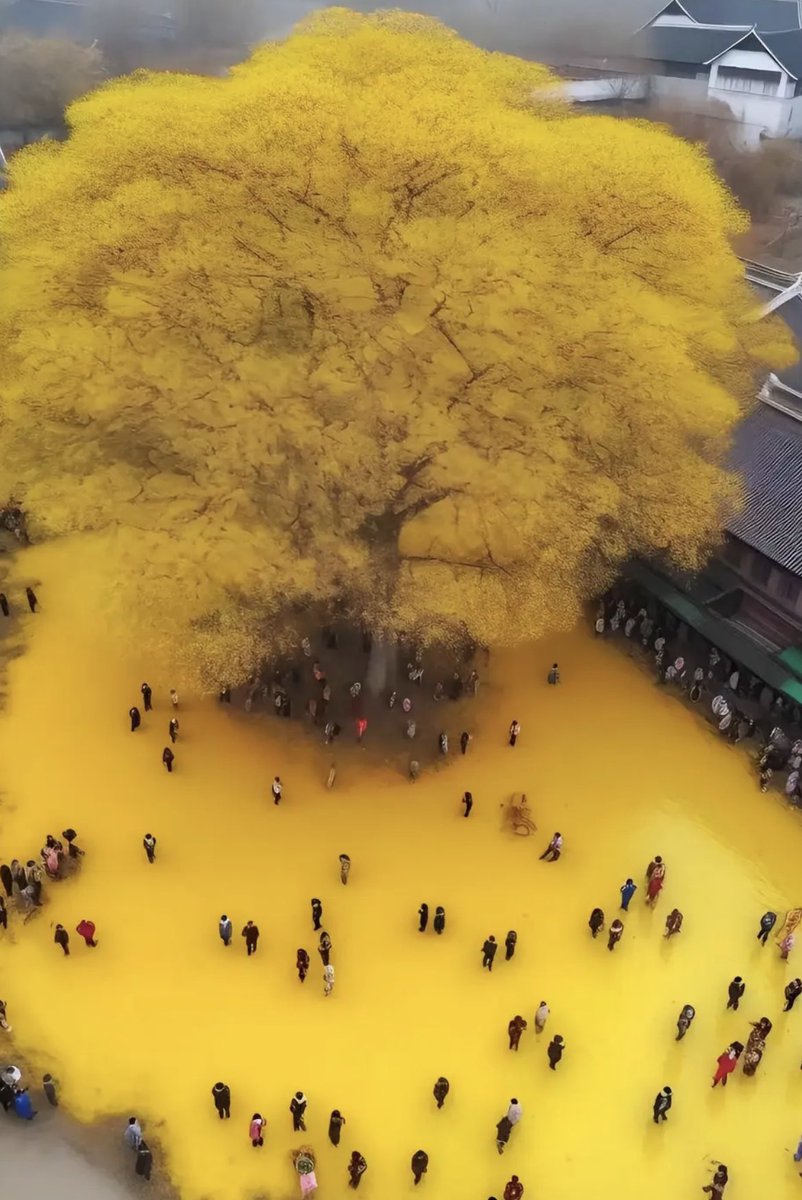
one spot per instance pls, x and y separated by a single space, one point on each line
373 324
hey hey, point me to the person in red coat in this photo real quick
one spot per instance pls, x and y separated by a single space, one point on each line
87 931
727 1063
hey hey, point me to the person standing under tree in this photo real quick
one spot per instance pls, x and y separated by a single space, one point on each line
144 1160
615 934
555 1051
324 948
628 890
136 719
515 730
467 800
514 1189
541 1016
596 921
302 964
33 599
441 1089
684 1020
735 991
767 923
792 992
423 917
673 923
221 1094
464 741
256 1130
298 1109
317 914
510 942
168 759
336 1122
147 696
225 929
328 979
489 952
439 922
554 674
149 842
345 868
276 789
173 729
554 849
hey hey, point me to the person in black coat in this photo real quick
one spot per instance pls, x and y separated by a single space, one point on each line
7 879
439 922
317 914
596 921
146 696
3 913
298 1109
555 1051
510 942
735 991
168 758
221 1094
302 964
662 1103
336 1122
419 1164
62 938
144 1160
4 604
423 915
251 934
489 952
32 598
136 718
441 1089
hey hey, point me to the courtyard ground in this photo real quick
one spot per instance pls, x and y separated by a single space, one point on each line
148 1021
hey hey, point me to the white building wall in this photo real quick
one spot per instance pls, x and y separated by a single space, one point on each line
749 60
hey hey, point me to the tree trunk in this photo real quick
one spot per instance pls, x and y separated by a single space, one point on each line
382 664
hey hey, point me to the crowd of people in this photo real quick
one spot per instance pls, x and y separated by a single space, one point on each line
24 884
743 708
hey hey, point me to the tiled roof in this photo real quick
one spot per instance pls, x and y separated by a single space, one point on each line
682 43
764 15
787 49
768 453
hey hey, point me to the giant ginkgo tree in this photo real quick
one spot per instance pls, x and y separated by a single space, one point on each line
376 324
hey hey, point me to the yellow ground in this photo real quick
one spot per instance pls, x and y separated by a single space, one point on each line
148 1021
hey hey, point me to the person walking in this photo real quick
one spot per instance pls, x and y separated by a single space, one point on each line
514 1189
420 1165
62 938
792 993
464 741
298 1109
541 1016
615 934
132 1134
515 1028
147 695
662 1104
423 917
345 868
767 923
684 1021
168 758
673 923
173 729
49 1089
251 934
735 991
510 942
276 788
357 1166
317 914
4 604
7 880
221 1094
439 922
514 1111
718 1182
144 1160
655 875
149 842
174 697
727 1063
87 931
489 952
136 719
554 849
440 1090
302 964
226 929
554 674
628 890
256 1130
503 1131
467 800
336 1122
515 729
33 599
442 742
328 979
324 948
555 1051
3 913
596 921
